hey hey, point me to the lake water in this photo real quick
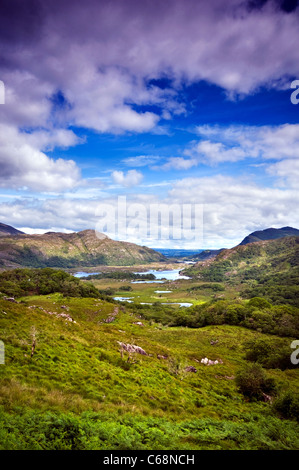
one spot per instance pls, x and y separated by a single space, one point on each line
83 274
128 299
163 291
169 275
123 299
181 304
161 276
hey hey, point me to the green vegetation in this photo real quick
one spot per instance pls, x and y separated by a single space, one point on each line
20 282
77 392
216 375
71 250
265 269
271 354
254 383
256 314
288 405
127 275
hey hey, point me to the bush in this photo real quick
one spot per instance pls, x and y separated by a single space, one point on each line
253 382
259 302
125 288
21 282
288 405
270 354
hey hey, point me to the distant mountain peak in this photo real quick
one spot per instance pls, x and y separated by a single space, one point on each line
270 234
8 230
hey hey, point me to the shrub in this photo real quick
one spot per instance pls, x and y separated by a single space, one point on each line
21 282
253 382
287 405
270 354
259 302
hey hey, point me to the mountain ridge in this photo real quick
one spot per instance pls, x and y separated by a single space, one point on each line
68 250
269 234
268 268
253 237
8 230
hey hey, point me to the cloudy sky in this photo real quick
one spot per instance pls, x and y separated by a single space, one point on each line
161 102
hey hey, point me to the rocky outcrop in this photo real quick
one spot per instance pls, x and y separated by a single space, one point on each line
132 348
209 362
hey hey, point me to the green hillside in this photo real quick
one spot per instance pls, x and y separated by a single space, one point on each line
257 236
268 268
91 373
71 250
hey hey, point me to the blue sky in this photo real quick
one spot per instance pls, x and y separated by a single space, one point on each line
205 104
161 102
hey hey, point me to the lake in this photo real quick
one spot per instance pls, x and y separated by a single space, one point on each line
168 275
83 274
128 299
161 276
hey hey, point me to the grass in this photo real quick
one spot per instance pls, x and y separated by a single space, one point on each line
77 392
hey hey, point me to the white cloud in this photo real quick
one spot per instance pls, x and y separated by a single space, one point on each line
103 60
265 142
212 153
178 163
101 100
221 144
287 172
141 160
51 138
129 179
23 165
234 207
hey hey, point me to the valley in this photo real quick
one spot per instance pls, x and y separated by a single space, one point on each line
188 357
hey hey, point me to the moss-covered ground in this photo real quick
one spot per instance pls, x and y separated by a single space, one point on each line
66 385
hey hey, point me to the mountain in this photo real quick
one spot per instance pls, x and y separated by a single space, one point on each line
270 234
67 250
205 254
267 268
259 235
8 230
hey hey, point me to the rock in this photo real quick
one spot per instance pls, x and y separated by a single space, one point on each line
209 362
190 369
267 397
132 348
112 316
10 299
159 356
109 319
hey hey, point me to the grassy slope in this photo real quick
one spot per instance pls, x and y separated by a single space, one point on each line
71 250
279 255
77 391
267 268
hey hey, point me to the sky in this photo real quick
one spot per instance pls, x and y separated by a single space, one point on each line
112 109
